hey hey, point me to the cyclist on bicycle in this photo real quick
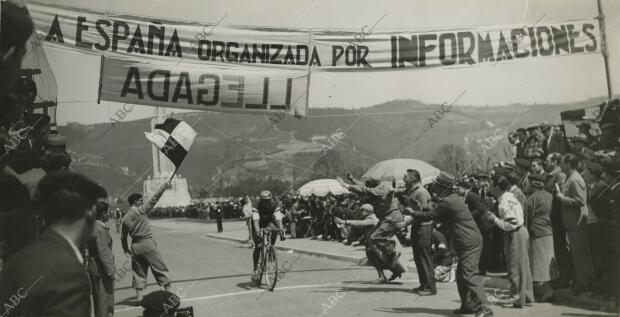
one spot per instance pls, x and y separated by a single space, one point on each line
267 215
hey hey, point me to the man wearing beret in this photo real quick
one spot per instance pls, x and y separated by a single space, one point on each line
452 211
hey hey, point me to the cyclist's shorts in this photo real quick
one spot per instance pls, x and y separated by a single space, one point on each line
267 223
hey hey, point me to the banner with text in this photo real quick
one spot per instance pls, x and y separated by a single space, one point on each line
190 86
205 44
247 51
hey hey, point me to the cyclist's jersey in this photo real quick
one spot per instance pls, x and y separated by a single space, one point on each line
269 212
267 221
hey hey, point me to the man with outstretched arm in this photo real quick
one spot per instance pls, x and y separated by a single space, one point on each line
380 195
144 252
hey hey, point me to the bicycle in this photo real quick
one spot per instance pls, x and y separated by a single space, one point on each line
268 262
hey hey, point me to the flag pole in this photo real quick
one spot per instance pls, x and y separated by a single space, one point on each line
175 172
601 22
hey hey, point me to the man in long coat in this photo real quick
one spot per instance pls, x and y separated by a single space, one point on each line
453 212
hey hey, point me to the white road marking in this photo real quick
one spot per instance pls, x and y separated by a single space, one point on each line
257 291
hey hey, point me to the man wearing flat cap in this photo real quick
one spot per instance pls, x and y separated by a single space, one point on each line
542 260
453 212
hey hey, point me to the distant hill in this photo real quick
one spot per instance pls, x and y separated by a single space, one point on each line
232 148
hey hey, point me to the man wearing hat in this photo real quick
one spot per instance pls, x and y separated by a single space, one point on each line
542 260
453 212
144 253
417 197
584 129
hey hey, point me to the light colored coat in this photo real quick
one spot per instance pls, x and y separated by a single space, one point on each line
574 202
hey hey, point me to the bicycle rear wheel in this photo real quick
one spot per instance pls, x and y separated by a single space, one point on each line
271 268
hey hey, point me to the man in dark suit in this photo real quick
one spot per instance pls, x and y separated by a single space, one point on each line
47 278
17 26
452 211
101 267
478 208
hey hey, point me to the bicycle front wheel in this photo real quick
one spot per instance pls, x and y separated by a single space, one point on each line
271 268
261 268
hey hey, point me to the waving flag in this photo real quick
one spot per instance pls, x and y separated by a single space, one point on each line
174 138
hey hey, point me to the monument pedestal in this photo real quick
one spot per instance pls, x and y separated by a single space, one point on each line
177 196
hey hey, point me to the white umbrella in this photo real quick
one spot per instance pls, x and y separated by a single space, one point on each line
395 169
322 187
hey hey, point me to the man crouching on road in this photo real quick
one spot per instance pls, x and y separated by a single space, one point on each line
144 252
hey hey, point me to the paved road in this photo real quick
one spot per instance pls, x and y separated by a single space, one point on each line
213 276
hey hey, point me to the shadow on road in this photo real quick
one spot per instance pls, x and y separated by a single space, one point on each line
417 310
369 289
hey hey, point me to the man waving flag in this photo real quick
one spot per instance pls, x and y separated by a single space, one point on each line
173 138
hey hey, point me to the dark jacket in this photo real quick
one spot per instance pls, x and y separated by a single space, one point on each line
478 208
47 278
100 257
538 212
453 212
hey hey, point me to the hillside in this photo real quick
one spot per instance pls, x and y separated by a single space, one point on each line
232 148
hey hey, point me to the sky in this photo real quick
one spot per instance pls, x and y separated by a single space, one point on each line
542 80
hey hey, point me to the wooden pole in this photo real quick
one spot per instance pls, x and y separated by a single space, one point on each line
310 40
601 22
